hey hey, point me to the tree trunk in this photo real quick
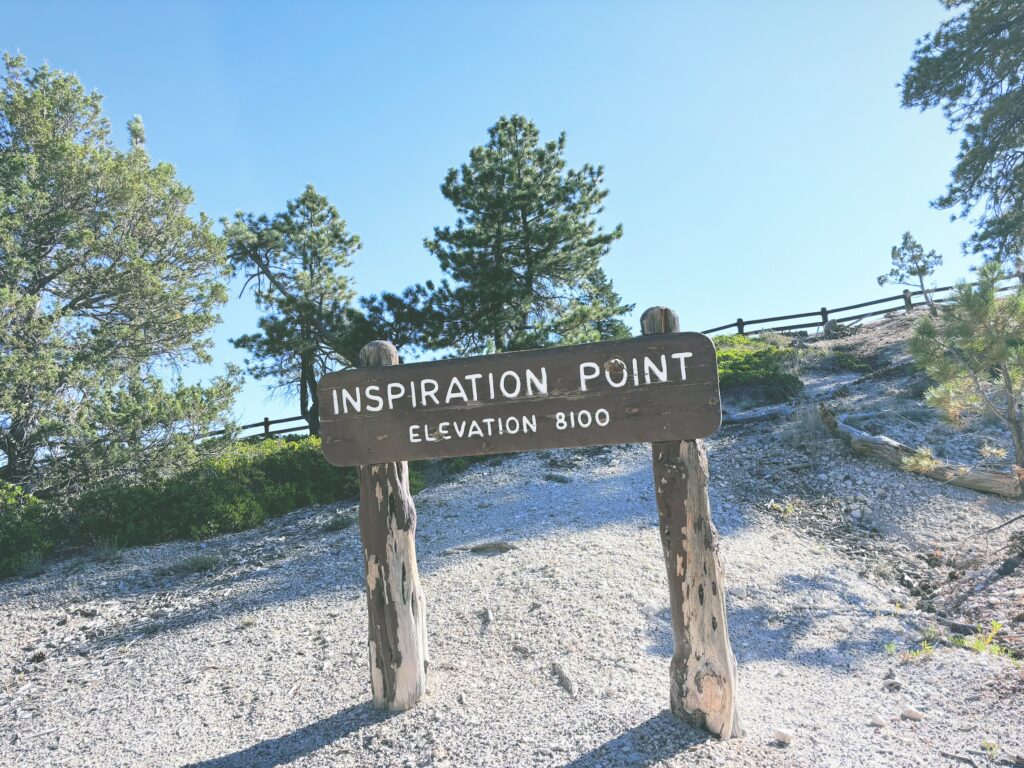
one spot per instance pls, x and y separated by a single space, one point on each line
1017 430
310 400
19 454
928 298
703 669
394 598
1013 416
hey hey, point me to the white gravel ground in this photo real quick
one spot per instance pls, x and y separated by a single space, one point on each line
261 660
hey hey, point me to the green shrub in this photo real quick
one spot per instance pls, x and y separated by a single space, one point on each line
249 482
23 529
751 362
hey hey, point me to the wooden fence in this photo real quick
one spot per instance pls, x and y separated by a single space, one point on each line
265 427
902 301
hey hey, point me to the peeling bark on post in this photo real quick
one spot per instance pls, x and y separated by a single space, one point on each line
394 598
703 668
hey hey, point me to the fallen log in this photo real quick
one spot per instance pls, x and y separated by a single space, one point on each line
757 414
889 451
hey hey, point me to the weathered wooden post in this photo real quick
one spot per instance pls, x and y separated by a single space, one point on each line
703 668
394 598
908 303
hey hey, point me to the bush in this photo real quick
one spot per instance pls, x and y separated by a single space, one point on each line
746 362
245 485
23 529
238 487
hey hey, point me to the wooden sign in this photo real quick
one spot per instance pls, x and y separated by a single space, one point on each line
654 388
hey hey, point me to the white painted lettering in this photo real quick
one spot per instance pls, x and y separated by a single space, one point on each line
681 357
428 389
650 366
371 394
588 372
505 390
455 389
396 391
537 385
472 377
347 400
609 366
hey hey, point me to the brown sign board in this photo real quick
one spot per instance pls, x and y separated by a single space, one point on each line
648 389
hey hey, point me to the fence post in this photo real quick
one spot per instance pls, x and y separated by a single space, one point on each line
266 425
907 302
702 674
824 315
394 598
739 325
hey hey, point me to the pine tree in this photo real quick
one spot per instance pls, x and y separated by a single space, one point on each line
972 67
974 349
296 263
523 260
910 266
107 286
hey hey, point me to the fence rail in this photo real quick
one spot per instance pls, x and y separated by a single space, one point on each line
902 301
266 425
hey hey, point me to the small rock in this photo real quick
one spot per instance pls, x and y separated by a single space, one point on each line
912 714
785 738
878 721
740 593
564 680
556 477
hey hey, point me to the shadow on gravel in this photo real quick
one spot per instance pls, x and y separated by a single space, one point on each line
656 739
308 562
304 741
806 637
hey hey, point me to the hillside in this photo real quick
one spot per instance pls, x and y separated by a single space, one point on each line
848 582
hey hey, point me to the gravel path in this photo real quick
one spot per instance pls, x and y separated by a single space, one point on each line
549 648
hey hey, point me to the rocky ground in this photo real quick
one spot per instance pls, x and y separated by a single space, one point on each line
848 586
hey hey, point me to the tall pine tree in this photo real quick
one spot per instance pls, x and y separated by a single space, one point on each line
296 263
972 67
523 260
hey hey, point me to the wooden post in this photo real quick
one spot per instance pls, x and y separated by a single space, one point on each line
266 425
824 315
739 324
394 598
907 302
703 670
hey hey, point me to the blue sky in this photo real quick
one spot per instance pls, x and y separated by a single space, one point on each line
756 152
